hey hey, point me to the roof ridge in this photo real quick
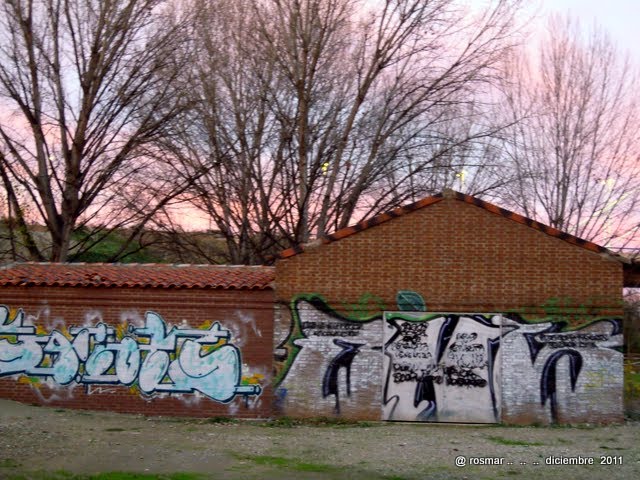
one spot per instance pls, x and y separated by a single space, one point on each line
362 225
536 225
454 195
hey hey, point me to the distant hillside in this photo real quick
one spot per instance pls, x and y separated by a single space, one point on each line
149 247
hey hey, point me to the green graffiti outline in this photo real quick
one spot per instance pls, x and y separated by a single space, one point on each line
563 306
296 329
360 308
515 315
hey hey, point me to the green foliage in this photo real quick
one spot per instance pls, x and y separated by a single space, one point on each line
631 380
108 248
632 387
631 325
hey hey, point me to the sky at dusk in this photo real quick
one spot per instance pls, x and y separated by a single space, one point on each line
620 18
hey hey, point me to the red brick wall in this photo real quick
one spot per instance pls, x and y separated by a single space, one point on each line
247 314
459 257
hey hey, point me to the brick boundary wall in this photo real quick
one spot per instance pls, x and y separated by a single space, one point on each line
247 314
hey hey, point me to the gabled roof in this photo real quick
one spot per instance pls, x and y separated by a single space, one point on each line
426 202
137 275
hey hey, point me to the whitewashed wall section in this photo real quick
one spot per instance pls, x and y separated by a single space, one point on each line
442 367
554 375
475 367
335 363
490 368
153 357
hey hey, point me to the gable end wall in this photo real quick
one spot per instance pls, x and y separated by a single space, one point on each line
458 257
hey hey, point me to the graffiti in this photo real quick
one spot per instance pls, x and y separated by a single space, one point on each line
331 329
425 392
568 308
422 387
280 398
560 369
344 359
571 340
410 301
465 354
548 378
446 331
413 358
463 377
330 359
367 306
457 367
181 360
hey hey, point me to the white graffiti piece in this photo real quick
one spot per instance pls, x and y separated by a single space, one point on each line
182 360
441 367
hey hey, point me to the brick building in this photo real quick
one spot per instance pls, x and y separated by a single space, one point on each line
449 309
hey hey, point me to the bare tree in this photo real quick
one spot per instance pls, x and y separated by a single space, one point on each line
575 144
87 89
314 113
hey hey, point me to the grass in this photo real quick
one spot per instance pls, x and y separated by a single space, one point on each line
632 390
278 467
511 442
289 422
221 420
295 465
282 462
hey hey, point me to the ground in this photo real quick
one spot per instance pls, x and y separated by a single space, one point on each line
44 443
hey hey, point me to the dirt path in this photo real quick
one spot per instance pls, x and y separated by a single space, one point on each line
37 439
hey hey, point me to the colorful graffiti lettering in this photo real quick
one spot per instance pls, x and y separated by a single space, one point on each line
181 360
